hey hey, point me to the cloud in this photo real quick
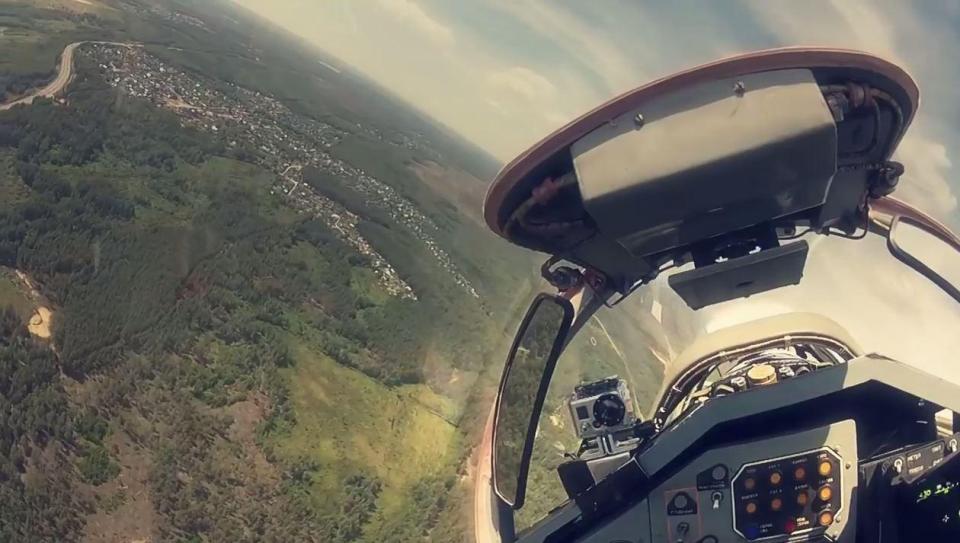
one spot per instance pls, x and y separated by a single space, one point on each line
412 14
537 64
868 26
889 31
347 12
557 119
494 104
928 168
520 93
523 82
590 45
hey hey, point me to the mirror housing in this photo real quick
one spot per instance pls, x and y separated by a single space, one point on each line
927 251
523 388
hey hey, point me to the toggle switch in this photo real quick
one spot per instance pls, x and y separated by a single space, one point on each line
716 498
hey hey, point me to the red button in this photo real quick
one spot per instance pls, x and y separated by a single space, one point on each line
789 526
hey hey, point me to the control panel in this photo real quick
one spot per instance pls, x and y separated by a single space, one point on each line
911 464
792 488
795 494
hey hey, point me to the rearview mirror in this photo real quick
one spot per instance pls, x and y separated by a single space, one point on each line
522 390
927 252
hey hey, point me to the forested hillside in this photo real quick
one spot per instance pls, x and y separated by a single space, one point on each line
224 364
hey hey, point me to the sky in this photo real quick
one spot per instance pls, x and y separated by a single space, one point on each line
505 73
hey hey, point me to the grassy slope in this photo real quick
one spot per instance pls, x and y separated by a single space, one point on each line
349 422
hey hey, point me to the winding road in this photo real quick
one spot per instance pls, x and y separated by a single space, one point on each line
64 75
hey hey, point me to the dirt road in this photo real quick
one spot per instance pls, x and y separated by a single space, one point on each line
64 74
484 530
63 77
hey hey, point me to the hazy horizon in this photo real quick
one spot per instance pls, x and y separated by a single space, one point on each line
505 74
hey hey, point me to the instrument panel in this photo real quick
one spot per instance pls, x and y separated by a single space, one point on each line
789 488
794 487
785 496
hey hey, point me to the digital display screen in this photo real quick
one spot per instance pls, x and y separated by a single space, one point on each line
929 508
582 413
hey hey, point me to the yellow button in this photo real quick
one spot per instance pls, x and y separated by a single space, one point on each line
776 504
749 483
802 498
825 493
800 473
825 468
826 518
751 508
775 478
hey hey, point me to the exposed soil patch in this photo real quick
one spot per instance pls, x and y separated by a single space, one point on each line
124 508
247 416
39 324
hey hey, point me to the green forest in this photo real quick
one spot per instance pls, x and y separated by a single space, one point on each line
236 354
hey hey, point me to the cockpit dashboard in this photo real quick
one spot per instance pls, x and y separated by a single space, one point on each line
796 461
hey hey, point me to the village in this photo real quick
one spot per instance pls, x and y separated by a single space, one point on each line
282 142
